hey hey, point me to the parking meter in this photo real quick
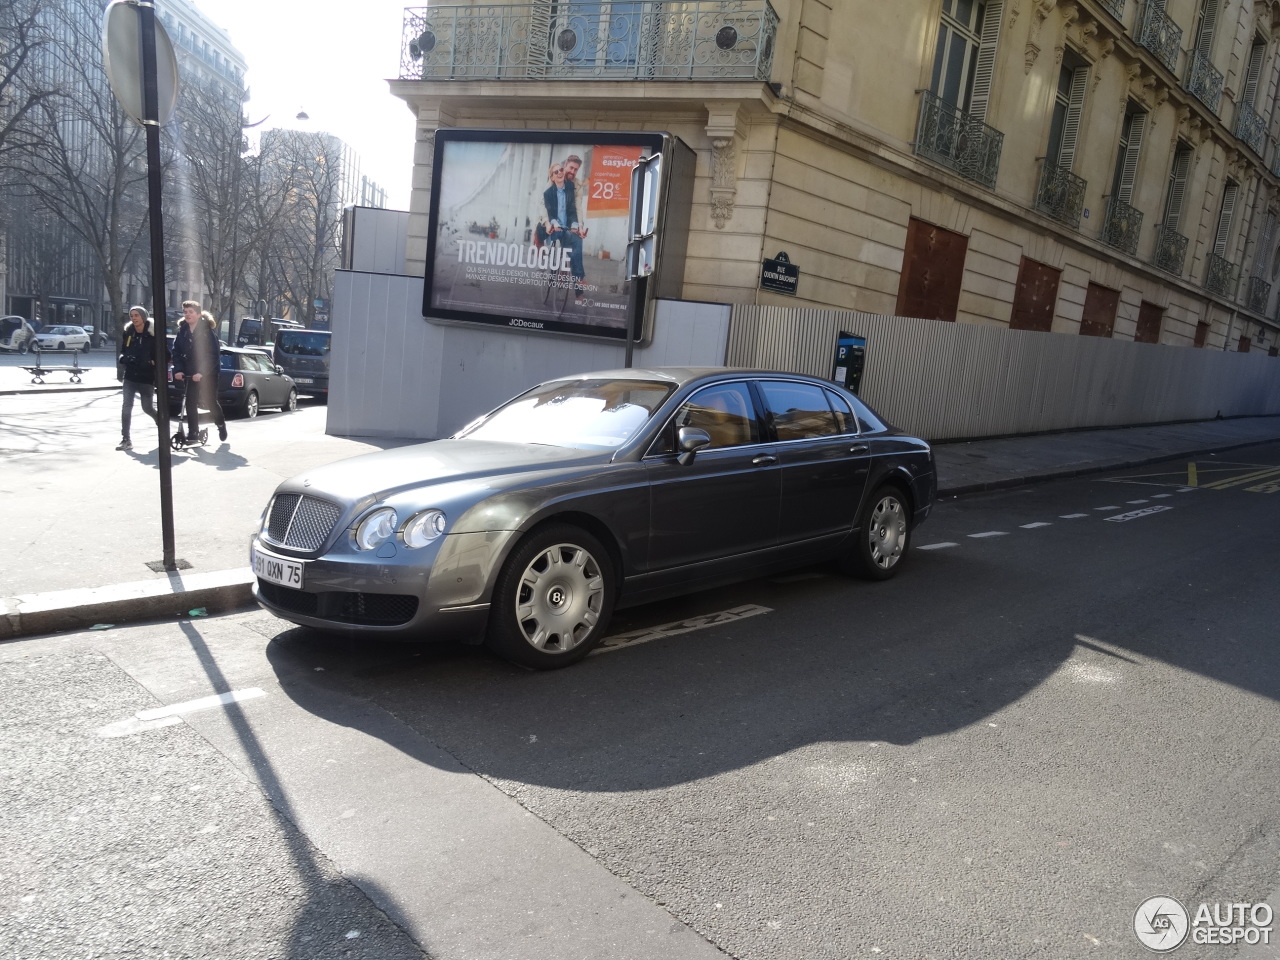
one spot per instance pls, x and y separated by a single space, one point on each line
851 357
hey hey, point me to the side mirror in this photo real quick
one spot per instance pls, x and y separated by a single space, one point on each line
279 369
690 440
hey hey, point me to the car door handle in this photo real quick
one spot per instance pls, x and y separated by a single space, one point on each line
859 448
764 460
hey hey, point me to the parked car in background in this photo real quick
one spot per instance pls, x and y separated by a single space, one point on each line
95 338
254 332
530 525
247 382
304 355
61 337
16 334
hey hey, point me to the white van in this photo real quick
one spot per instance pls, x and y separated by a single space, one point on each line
15 334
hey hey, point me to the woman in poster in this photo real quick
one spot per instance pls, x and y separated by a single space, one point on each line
563 225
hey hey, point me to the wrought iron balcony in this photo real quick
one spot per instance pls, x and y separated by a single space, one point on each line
1060 194
957 140
1121 227
1115 8
1204 81
1251 128
1275 159
1170 254
1257 295
601 40
1158 33
1219 275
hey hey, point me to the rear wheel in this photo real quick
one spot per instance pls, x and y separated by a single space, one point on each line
251 404
86 347
553 598
884 534
61 345
23 347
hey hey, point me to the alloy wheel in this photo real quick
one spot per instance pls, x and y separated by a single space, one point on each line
887 532
560 598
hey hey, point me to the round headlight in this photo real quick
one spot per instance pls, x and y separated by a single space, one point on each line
424 528
376 528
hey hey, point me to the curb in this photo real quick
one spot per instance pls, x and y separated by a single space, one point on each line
221 591
70 388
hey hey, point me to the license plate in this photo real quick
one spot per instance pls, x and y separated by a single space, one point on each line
303 380
287 573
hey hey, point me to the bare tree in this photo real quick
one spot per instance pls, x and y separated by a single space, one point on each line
23 88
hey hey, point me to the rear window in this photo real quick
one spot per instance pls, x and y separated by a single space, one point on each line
227 361
303 343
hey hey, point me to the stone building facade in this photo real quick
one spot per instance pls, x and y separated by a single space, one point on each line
1099 167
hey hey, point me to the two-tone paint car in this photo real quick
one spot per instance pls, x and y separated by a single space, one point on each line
528 527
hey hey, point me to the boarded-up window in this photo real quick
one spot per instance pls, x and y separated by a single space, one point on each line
932 271
1245 344
1149 317
1099 311
1036 296
1202 333
1274 352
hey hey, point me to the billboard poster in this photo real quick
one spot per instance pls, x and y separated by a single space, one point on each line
529 229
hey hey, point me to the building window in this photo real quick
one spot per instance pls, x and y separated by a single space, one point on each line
1202 333
1226 216
1135 123
1036 297
1249 92
1206 23
1068 104
1176 192
932 272
965 58
1099 318
1149 318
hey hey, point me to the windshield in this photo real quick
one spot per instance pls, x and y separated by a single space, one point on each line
303 343
585 414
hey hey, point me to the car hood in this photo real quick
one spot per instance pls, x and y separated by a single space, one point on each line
377 476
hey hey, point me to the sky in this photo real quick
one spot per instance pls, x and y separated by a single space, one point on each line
331 60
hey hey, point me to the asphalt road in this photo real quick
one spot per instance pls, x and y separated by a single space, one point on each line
1063 707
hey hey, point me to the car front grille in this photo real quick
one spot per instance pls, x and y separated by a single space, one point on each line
340 606
301 522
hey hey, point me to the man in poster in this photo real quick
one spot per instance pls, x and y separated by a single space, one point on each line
563 226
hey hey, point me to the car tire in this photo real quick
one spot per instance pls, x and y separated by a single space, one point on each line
553 599
251 404
87 347
23 347
61 345
291 402
883 535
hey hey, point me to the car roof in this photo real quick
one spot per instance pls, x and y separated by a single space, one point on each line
680 376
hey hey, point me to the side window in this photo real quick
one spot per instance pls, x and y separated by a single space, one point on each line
799 411
845 419
264 363
725 411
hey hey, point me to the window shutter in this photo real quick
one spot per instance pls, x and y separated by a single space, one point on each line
1224 219
1250 92
1208 23
1177 189
1129 171
1263 254
986 66
1071 126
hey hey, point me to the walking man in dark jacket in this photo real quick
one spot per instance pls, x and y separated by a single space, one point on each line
138 356
196 353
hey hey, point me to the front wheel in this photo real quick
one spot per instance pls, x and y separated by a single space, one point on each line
23 347
291 403
553 598
883 536
251 404
61 345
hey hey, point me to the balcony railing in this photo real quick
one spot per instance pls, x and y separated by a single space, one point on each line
1170 254
1158 33
1257 295
1060 194
957 140
1115 8
602 40
1251 128
1204 81
1121 227
1219 275
1275 160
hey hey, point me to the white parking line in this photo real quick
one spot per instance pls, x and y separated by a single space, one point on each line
1071 516
1135 514
938 546
204 703
1158 496
1185 489
1113 506
635 637
1038 523
989 533
1137 501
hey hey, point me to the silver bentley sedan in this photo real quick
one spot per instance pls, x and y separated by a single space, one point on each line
527 528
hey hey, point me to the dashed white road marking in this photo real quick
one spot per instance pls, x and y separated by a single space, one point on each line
1114 506
635 637
938 546
1158 496
989 533
1071 516
1184 489
1038 523
1137 501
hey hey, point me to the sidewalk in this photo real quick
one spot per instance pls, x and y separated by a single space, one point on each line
220 493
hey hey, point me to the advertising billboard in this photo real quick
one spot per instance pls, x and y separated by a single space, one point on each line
530 229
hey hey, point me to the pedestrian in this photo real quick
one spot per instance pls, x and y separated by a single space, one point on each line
138 360
196 353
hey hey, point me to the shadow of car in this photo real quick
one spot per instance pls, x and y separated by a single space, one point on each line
247 382
529 526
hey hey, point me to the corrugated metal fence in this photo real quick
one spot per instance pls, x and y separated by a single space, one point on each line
954 380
